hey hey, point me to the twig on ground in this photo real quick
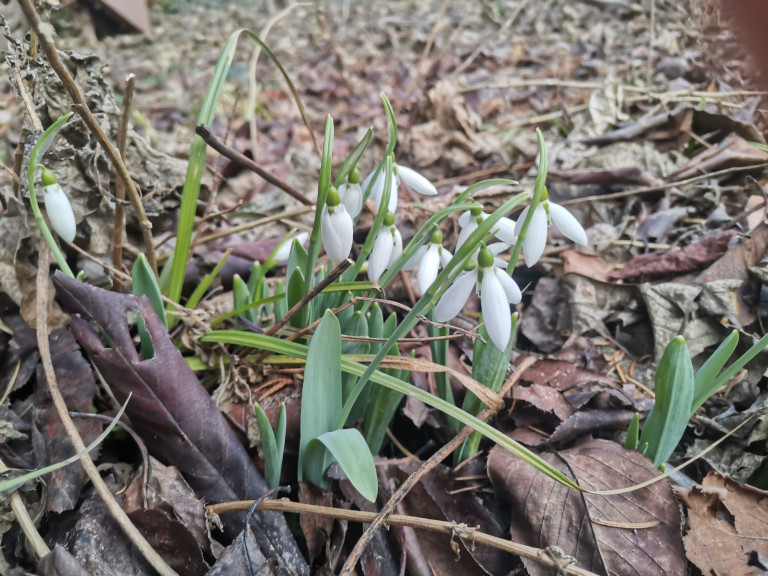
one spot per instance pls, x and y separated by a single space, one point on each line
243 160
662 187
470 535
117 512
26 523
122 133
43 32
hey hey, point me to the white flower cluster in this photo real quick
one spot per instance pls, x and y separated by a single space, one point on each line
485 272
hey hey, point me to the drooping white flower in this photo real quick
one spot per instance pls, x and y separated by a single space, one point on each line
429 259
386 248
504 229
407 176
545 214
377 191
497 291
336 228
58 207
351 194
415 181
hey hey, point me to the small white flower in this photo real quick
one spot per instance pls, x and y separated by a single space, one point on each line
547 213
336 228
377 191
429 259
497 291
408 176
504 229
58 207
351 194
386 248
284 251
415 181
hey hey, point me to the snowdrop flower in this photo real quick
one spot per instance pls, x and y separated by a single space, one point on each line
58 207
284 251
545 214
407 176
415 181
386 248
497 291
336 228
504 229
351 194
429 259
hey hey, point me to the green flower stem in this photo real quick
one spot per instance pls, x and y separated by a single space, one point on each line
431 296
41 146
538 192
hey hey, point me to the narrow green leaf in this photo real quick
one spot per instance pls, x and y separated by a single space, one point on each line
669 417
295 291
256 281
353 157
10 484
489 366
145 339
300 351
321 391
633 432
145 284
351 452
706 377
242 297
272 458
323 186
196 166
205 283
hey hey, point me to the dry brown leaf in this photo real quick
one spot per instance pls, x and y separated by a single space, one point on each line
549 514
727 522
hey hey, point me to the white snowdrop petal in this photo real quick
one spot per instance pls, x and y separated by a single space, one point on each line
511 289
59 212
428 268
464 218
465 233
520 220
535 237
379 258
415 181
352 198
397 247
455 297
495 306
505 230
567 224
284 252
415 260
498 247
336 232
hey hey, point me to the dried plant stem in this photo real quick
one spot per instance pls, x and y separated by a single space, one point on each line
43 32
61 408
413 479
122 134
468 534
205 133
25 522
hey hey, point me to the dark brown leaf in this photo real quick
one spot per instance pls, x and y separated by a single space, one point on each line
175 416
688 259
728 522
549 514
59 562
243 556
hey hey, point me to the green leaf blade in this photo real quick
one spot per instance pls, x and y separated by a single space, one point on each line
349 449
